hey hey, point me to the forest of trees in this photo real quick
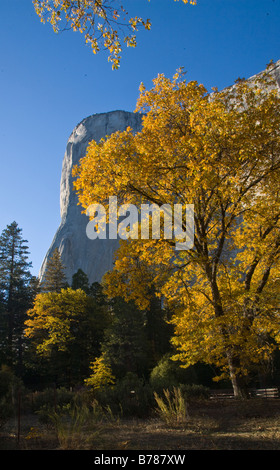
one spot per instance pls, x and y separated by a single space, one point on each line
74 336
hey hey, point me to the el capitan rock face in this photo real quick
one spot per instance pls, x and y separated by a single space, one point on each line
94 257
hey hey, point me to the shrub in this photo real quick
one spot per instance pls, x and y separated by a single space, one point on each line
172 407
130 396
51 400
195 391
69 423
9 385
51 397
168 374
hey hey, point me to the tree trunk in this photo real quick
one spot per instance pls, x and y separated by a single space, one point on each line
10 304
240 389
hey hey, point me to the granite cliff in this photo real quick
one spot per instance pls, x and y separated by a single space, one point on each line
94 257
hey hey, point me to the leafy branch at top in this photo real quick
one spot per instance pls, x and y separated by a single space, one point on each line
104 23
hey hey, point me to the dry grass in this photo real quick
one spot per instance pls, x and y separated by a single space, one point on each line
221 425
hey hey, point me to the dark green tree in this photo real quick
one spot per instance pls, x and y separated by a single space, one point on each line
158 330
96 291
54 278
80 281
125 342
17 290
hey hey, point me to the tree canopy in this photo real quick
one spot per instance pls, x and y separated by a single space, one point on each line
54 277
17 289
66 328
220 152
104 23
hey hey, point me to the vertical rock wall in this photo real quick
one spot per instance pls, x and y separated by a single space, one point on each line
94 257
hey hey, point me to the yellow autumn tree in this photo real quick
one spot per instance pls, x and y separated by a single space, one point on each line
105 24
219 152
101 374
59 320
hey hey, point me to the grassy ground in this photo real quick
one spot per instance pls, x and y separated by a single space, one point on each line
212 425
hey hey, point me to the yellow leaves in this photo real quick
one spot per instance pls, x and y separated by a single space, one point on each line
192 2
130 41
148 24
211 153
103 24
50 321
102 374
135 275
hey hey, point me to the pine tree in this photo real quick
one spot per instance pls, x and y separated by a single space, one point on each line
80 281
125 342
17 288
54 279
97 292
158 329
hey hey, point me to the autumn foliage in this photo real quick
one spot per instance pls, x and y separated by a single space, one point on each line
221 152
105 24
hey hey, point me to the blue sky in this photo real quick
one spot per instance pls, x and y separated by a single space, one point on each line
50 82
